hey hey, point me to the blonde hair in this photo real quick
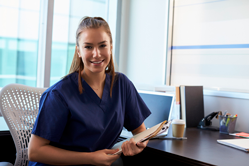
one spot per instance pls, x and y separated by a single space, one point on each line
77 64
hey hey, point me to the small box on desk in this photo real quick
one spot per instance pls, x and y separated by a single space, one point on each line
227 124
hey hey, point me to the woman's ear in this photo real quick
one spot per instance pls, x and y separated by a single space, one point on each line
78 51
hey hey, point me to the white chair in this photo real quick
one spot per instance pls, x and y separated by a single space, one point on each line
19 105
5 164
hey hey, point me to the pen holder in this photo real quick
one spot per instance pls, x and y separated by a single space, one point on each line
227 124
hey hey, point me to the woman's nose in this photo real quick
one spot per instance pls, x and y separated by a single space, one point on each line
96 52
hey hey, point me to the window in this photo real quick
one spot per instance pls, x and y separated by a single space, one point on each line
22 38
19 33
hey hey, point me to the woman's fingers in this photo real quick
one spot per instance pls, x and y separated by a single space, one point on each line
130 148
142 144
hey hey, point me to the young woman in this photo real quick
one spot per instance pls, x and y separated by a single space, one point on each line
81 117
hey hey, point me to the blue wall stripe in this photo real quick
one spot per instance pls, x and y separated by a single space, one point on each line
211 46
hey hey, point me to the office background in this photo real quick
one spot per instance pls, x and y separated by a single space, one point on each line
157 42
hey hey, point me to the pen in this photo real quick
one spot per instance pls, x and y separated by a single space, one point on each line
228 119
224 117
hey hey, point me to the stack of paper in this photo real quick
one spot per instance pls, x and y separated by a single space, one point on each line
242 144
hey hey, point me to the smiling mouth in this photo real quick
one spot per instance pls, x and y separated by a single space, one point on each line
97 62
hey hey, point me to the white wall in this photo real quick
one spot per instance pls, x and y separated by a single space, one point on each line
233 106
135 31
143 40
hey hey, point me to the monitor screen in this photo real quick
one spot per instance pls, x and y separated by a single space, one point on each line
160 105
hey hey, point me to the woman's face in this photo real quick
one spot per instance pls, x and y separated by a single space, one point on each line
94 49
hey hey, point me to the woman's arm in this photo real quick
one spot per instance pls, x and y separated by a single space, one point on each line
40 151
130 148
140 129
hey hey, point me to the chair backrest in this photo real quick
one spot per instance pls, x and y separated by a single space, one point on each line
19 105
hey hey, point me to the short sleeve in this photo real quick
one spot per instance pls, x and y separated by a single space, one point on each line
136 110
52 117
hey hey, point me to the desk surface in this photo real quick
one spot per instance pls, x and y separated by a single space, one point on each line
201 148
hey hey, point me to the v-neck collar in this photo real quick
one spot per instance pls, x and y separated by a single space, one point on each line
91 93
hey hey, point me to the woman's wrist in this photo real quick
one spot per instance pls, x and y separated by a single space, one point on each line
87 158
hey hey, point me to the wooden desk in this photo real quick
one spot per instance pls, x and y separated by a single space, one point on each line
200 148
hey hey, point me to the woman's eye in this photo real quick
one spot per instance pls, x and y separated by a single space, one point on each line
88 47
103 45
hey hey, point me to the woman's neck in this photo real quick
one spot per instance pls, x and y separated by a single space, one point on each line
95 81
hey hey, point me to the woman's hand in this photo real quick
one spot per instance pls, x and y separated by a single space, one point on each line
130 148
104 157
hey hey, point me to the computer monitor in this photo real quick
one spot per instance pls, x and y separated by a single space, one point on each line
160 105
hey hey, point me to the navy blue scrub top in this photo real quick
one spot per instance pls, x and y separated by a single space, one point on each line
84 122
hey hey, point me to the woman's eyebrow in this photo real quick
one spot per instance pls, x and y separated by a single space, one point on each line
102 42
98 43
88 43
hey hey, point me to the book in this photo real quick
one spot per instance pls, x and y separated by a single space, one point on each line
241 144
192 105
150 133
178 103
